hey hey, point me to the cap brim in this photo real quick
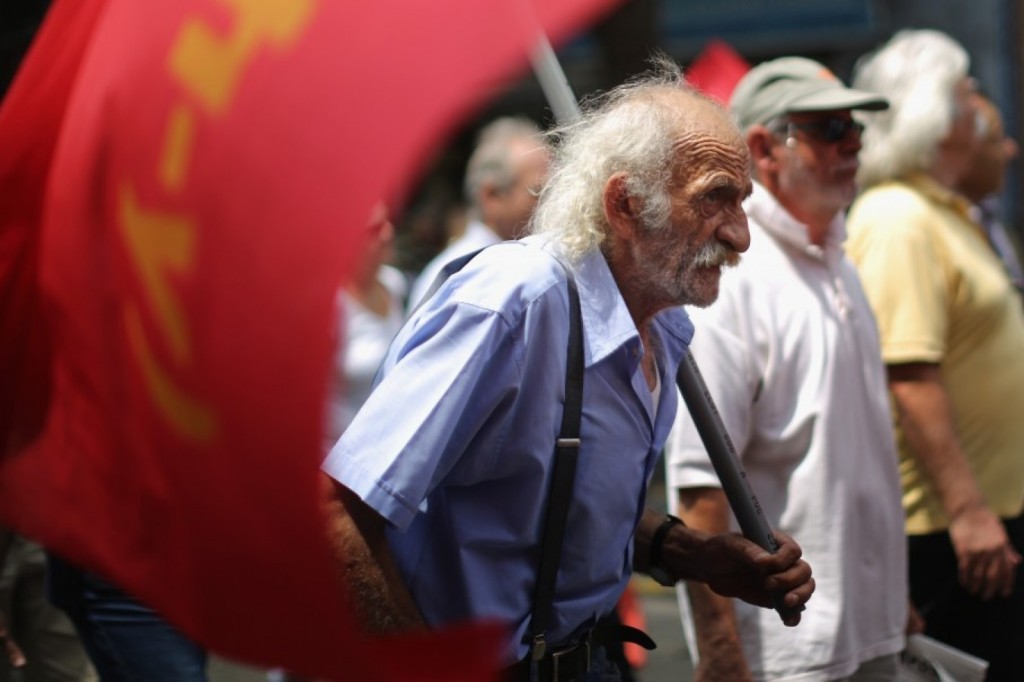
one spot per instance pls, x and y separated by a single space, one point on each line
838 99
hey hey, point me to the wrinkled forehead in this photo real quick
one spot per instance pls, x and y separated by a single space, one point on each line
702 151
706 136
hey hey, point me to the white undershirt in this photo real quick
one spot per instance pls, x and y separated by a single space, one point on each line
656 391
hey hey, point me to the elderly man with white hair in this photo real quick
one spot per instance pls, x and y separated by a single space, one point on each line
438 489
952 334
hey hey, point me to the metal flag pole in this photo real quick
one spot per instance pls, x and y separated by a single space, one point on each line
691 384
553 82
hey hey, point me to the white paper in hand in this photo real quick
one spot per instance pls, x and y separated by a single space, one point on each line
929 660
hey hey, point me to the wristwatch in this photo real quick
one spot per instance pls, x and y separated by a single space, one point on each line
655 568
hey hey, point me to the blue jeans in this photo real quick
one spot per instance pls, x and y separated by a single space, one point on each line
602 669
126 640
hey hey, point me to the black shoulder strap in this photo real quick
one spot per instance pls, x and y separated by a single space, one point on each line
566 453
562 477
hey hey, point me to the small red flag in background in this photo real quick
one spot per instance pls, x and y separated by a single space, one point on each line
717 70
182 185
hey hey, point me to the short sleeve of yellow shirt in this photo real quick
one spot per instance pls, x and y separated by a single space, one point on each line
941 296
893 240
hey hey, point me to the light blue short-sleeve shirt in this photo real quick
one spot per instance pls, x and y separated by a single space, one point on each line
455 446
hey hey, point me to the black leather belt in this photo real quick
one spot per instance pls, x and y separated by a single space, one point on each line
572 663
566 665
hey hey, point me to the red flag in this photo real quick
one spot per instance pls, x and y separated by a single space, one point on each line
201 168
28 135
717 70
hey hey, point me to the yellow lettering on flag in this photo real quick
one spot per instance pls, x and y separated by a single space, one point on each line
211 66
187 416
177 147
161 245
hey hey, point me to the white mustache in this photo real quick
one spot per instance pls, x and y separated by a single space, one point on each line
715 254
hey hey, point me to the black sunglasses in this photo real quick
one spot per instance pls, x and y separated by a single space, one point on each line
829 130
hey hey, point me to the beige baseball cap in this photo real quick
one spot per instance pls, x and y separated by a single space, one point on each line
795 84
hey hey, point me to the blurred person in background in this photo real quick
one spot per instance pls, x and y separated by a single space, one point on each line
952 332
984 181
789 352
126 640
504 175
371 308
39 641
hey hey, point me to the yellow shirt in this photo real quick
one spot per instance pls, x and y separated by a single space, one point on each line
940 295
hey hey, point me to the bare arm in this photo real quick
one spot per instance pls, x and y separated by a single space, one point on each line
365 564
718 643
987 561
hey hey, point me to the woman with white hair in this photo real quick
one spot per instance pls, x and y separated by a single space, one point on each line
952 331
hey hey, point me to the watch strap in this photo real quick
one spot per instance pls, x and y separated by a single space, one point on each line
654 555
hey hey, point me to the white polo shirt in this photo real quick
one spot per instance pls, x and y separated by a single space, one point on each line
790 353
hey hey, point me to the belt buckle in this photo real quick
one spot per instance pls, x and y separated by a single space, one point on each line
585 645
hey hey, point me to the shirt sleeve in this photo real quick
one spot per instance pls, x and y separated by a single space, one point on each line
444 377
895 248
722 353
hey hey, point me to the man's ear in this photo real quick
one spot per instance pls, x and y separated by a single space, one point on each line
489 198
488 191
621 210
763 150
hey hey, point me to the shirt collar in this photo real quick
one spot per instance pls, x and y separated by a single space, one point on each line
930 187
480 232
773 217
607 324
